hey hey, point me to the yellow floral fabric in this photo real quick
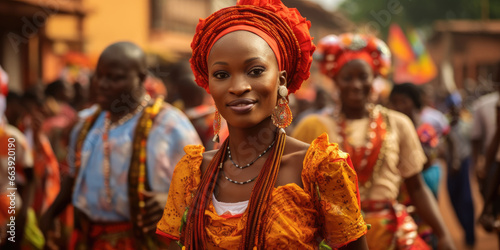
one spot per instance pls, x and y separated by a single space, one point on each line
326 208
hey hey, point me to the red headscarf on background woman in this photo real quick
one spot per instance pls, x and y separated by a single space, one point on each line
335 51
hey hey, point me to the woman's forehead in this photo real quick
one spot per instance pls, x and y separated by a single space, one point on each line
239 41
357 65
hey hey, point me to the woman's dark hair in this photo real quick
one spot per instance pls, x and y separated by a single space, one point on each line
410 90
13 97
34 95
54 88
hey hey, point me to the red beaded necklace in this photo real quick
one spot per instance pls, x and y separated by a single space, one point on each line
106 165
367 158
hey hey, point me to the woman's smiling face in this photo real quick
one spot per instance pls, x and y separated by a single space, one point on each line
244 78
354 82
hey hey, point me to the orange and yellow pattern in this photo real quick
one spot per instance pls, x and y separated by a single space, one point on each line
326 208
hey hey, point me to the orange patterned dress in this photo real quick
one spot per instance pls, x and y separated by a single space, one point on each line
326 208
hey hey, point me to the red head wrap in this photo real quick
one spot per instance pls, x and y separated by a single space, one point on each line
335 51
284 29
4 79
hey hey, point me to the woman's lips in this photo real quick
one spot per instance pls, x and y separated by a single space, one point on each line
241 105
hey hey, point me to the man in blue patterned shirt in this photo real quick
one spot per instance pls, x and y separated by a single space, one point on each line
122 157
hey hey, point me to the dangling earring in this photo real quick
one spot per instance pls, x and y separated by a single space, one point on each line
282 115
216 126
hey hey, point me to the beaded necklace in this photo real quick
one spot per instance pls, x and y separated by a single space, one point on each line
106 165
237 182
193 234
249 164
243 167
368 158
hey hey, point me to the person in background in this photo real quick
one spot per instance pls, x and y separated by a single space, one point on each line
60 118
16 161
15 111
121 158
482 132
458 161
197 104
46 167
490 216
383 144
432 127
323 104
262 189
80 96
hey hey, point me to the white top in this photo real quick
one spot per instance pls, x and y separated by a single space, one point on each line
229 208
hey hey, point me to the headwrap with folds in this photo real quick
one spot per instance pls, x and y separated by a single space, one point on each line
4 90
284 29
335 51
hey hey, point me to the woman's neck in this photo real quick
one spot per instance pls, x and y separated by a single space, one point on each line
354 113
247 143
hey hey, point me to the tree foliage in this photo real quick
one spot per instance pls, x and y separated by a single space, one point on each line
417 13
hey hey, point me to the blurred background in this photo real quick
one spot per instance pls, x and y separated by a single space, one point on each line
445 46
40 38
454 43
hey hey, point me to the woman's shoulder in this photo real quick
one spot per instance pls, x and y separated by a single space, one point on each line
206 159
399 121
291 162
295 151
397 117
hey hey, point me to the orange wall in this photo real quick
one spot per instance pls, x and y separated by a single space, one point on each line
115 20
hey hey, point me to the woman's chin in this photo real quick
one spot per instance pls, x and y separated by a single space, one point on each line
356 103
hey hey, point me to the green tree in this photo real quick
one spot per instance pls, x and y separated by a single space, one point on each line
378 14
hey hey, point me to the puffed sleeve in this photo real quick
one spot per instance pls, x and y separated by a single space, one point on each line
329 177
309 129
185 180
412 157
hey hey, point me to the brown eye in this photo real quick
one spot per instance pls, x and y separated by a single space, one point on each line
256 71
220 75
116 77
347 78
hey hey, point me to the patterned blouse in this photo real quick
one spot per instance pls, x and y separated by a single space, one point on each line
292 220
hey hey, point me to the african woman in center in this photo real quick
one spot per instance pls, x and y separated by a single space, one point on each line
262 189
